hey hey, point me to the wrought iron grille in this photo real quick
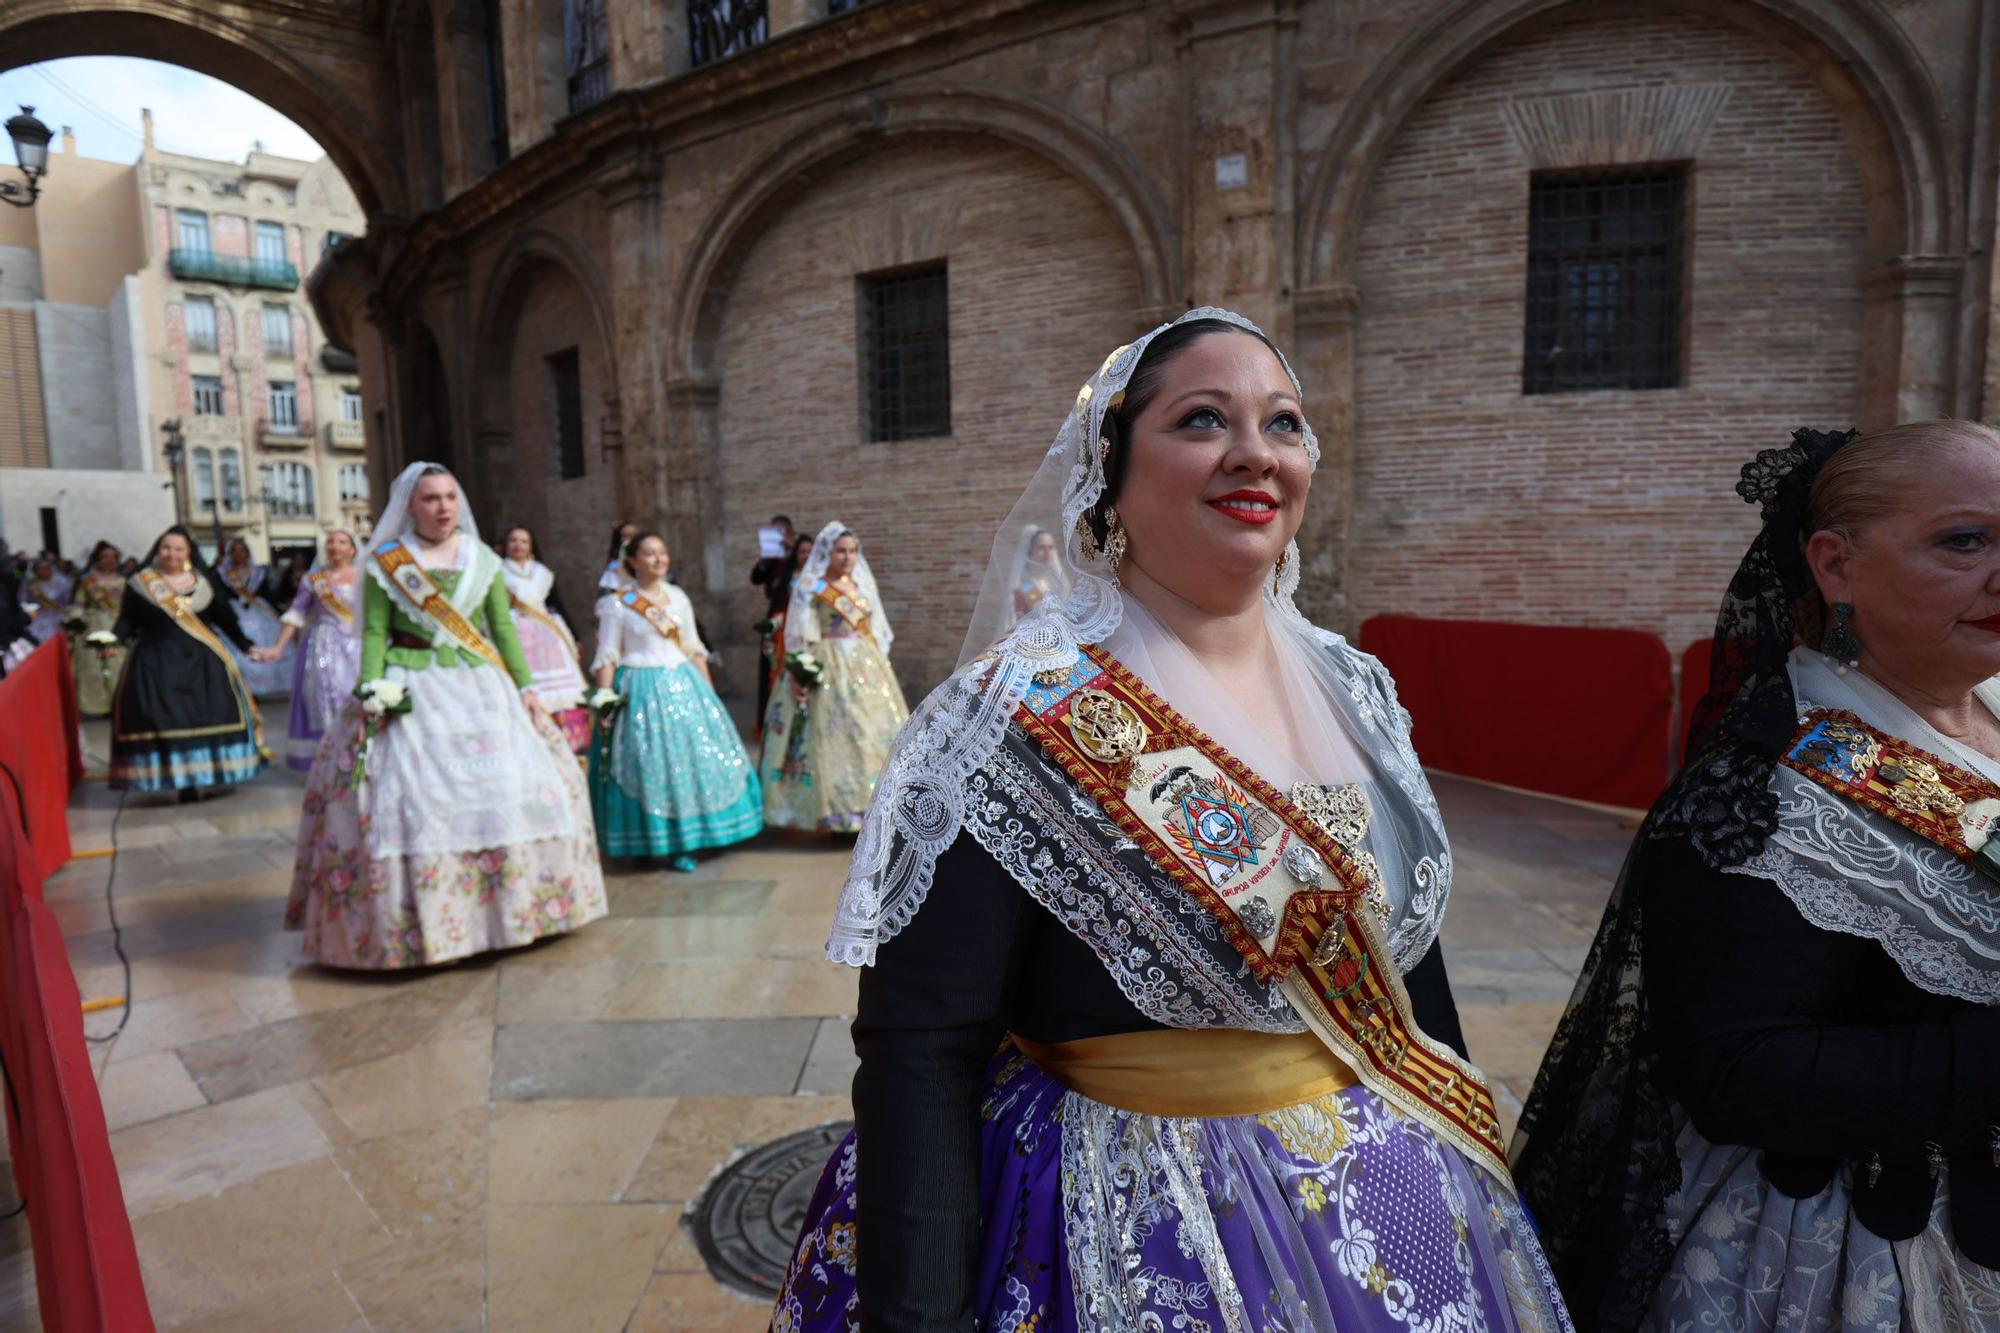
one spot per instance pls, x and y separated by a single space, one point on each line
905 354
586 52
718 29
1606 273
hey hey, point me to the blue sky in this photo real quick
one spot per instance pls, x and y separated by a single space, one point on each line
100 97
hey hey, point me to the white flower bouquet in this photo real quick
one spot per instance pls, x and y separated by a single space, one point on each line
806 669
380 701
101 638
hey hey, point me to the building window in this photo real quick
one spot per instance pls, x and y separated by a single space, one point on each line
288 490
232 479
718 29
284 400
350 403
270 242
200 324
566 406
1606 279
587 52
208 395
202 474
278 331
191 231
905 354
353 483
495 53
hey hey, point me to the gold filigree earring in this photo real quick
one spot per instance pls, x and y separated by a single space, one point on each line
1114 542
1278 570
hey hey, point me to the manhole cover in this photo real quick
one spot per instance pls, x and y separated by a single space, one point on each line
749 1219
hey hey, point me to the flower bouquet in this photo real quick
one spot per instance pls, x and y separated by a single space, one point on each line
380 700
604 703
101 639
805 669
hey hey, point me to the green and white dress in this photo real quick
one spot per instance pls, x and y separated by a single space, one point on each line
469 826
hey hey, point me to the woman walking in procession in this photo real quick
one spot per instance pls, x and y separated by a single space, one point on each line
325 616
448 817
668 774
182 718
94 650
247 584
1190 879
1774 1100
546 640
45 597
829 728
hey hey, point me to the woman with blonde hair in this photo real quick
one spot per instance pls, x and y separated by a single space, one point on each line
325 618
1774 1101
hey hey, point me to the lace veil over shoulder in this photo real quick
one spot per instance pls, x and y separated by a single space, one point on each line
1348 724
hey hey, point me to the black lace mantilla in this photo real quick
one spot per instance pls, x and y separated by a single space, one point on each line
1595 1155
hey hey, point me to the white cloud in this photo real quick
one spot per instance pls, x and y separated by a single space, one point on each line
101 97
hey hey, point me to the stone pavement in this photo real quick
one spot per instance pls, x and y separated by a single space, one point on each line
511 1143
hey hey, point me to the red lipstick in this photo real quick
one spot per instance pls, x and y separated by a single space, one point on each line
1991 624
1256 507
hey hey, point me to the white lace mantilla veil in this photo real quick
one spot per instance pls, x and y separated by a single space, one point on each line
1854 873
801 625
1348 725
474 556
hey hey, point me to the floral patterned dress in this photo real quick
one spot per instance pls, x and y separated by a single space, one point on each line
96 602
463 825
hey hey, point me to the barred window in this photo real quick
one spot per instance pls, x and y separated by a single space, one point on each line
718 29
1606 280
284 399
232 479
353 483
905 345
566 412
207 395
587 52
350 403
202 472
278 331
288 490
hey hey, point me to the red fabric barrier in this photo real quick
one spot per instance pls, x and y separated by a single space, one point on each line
1584 713
1695 663
38 721
86 1264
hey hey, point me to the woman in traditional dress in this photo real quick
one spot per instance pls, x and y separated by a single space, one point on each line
825 740
45 596
245 579
1040 571
1772 1103
325 616
1190 878
182 717
795 562
614 579
447 817
668 773
94 608
546 640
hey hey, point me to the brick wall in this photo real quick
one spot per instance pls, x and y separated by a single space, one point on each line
1603 508
1042 285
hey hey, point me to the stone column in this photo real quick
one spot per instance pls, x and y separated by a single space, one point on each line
1236 62
630 189
1910 348
648 42
1322 351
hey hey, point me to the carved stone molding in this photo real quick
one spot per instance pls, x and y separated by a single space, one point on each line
1624 125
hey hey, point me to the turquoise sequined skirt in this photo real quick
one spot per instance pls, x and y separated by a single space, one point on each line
670 775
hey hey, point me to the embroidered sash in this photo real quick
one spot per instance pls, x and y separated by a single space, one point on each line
853 610
415 583
656 615
1287 893
1945 805
162 595
330 596
542 617
239 578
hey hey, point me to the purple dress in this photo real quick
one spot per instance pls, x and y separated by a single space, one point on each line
328 661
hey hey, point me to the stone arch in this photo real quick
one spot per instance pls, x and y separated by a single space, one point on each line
863 123
414 42
1877 81
546 273
206 37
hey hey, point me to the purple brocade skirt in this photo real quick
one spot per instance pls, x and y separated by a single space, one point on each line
1339 1213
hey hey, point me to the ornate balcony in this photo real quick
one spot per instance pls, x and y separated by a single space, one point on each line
345 435
337 359
207 266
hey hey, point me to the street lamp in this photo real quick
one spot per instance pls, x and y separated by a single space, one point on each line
31 150
174 449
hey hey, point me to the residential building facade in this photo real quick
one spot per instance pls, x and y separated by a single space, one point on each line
269 411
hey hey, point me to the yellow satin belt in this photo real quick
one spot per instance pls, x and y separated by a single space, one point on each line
1202 1072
